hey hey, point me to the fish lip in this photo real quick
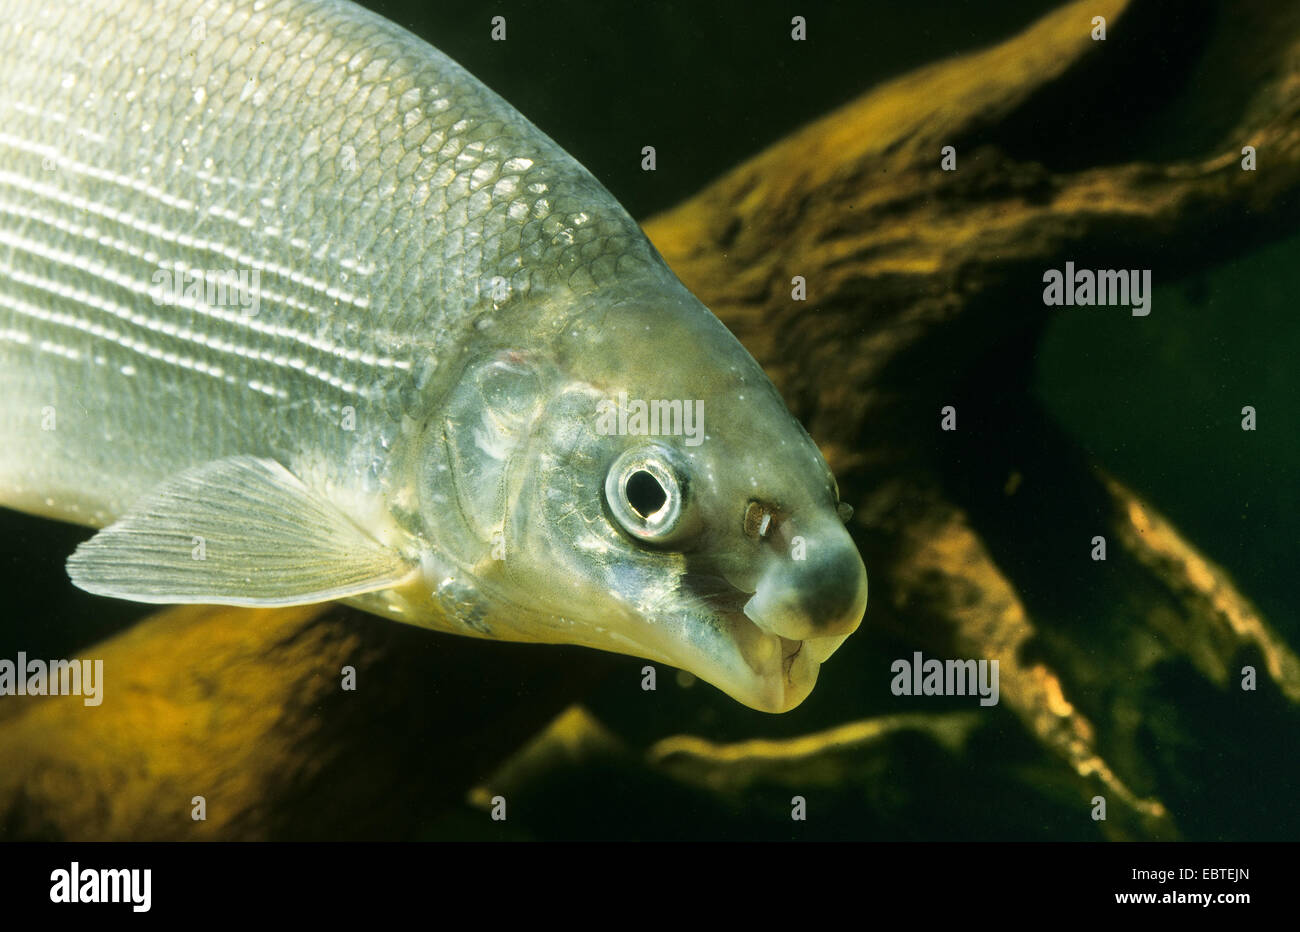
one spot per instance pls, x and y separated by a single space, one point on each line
774 674
794 667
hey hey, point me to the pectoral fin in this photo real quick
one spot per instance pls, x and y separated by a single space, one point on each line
236 531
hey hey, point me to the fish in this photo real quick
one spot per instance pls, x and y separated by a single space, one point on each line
293 309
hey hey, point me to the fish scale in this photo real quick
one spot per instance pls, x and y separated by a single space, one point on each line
376 188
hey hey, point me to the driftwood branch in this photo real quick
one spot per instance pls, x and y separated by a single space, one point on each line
924 290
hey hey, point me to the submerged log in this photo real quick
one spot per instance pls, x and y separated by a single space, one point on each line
246 708
924 289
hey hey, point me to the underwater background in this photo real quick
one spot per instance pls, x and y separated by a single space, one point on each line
710 85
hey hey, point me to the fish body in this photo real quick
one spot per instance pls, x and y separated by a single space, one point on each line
294 308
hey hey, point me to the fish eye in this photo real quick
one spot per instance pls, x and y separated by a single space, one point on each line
645 495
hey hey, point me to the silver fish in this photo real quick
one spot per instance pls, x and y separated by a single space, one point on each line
295 309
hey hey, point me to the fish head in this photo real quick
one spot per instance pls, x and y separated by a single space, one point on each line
661 501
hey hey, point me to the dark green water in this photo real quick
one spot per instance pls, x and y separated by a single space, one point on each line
1159 402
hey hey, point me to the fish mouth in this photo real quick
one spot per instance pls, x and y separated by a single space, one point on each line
784 671
758 667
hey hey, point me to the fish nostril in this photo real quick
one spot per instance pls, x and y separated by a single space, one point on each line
759 520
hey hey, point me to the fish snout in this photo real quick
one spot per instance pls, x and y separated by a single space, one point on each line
819 593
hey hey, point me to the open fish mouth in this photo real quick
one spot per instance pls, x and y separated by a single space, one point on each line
762 668
784 670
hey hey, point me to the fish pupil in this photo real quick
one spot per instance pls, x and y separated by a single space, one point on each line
644 493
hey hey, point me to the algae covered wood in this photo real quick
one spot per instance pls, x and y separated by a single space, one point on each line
307 722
